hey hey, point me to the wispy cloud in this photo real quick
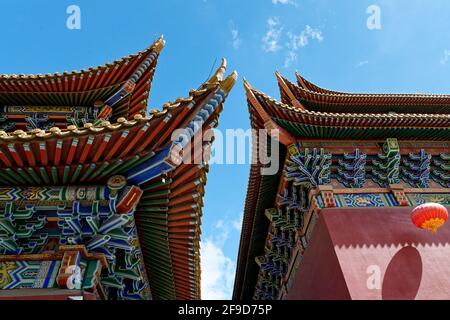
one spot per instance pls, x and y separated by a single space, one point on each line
294 41
446 58
291 2
218 270
237 223
362 63
271 40
298 41
236 39
301 40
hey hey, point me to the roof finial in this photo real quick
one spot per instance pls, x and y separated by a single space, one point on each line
159 44
218 76
229 82
247 85
278 75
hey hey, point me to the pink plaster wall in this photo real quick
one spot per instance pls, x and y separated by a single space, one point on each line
351 247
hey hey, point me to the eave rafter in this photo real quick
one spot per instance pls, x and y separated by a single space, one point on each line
171 213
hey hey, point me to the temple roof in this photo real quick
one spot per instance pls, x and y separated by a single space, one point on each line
85 79
315 98
138 147
302 117
169 218
124 85
170 111
299 120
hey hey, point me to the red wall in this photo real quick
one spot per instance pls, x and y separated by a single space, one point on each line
351 247
319 275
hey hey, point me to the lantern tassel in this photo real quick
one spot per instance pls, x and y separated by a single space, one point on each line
433 224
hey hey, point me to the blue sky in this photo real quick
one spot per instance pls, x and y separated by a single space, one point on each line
326 41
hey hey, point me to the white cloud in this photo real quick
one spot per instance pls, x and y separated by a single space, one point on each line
291 2
275 35
272 37
237 223
218 270
291 58
362 63
445 59
223 232
298 41
236 40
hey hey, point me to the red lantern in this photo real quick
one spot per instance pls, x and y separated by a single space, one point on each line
429 216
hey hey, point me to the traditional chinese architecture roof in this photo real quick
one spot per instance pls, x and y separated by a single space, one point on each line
299 118
315 98
308 118
70 98
122 142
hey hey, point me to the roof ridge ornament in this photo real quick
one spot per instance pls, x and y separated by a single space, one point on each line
284 87
229 82
247 85
159 44
218 76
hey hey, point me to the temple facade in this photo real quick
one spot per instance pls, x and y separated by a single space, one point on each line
93 202
334 222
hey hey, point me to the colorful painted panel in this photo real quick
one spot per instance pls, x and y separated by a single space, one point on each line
46 117
384 200
363 200
421 198
29 274
54 193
